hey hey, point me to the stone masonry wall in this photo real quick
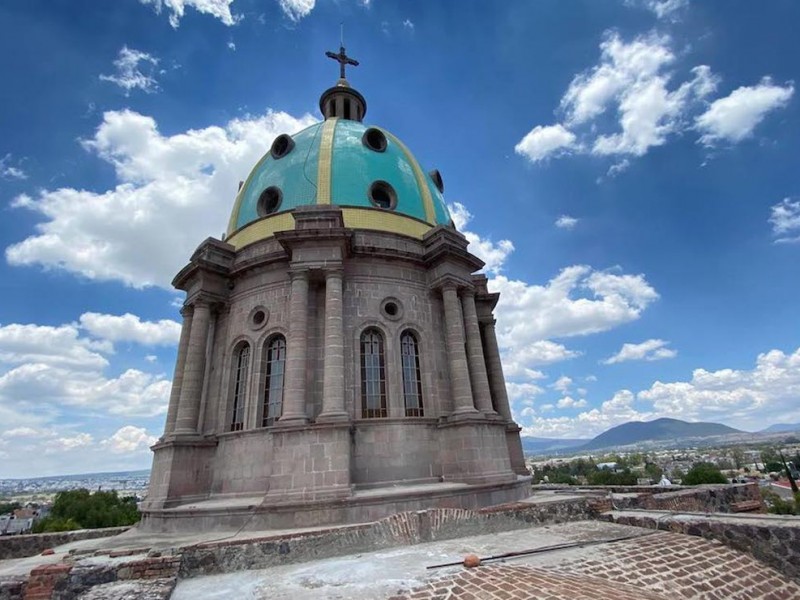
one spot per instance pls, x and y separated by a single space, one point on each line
19 546
400 529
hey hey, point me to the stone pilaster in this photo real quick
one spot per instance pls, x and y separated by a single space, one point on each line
180 365
333 373
194 370
477 365
456 354
497 381
294 396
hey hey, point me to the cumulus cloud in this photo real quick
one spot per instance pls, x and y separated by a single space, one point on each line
542 142
219 9
135 70
9 171
130 328
45 369
734 117
130 439
785 221
562 384
166 202
578 301
633 100
297 9
493 254
566 222
649 350
569 402
739 396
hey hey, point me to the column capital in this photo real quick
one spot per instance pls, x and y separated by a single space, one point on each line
299 273
466 292
449 282
334 272
186 310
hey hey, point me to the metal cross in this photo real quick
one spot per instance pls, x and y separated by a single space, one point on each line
342 59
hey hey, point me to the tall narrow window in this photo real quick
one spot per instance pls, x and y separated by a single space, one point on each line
412 379
373 375
240 368
274 363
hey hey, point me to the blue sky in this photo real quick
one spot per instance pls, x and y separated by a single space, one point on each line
626 168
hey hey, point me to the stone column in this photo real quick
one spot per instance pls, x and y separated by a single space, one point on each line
477 365
456 354
497 381
333 374
294 397
194 370
180 365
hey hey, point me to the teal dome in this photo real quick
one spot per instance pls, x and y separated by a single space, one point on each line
345 163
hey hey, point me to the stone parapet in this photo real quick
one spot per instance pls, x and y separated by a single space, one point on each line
19 546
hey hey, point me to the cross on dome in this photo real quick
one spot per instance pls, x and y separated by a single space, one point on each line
342 59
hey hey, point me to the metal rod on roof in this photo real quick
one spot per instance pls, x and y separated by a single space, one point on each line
547 549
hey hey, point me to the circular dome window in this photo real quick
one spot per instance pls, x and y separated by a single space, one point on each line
382 195
437 180
391 308
282 145
269 201
374 139
258 317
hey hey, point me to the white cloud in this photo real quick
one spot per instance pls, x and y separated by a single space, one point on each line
232 46
562 384
494 255
662 9
566 222
785 220
297 9
519 360
166 202
51 368
131 66
568 402
219 9
130 328
130 439
541 142
9 171
649 350
408 24
528 313
151 358
51 346
633 86
734 117
69 443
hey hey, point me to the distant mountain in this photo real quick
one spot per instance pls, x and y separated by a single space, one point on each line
537 445
781 428
661 429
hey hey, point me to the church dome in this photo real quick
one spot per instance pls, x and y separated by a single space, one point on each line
363 169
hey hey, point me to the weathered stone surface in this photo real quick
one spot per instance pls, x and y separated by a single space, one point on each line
18 546
154 589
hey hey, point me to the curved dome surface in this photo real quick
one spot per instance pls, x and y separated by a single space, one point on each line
329 163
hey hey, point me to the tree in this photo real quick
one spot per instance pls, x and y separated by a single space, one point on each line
737 454
608 477
771 460
79 509
7 507
704 472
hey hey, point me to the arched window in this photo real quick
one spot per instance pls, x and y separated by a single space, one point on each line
274 363
241 365
373 375
412 378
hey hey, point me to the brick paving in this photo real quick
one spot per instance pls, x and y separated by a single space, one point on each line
662 566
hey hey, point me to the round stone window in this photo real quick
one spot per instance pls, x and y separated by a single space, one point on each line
392 309
374 139
269 201
258 317
382 195
282 145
